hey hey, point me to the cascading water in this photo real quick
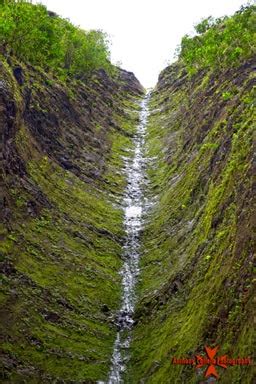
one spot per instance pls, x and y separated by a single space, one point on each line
133 204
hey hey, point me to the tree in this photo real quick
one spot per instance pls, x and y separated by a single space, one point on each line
42 38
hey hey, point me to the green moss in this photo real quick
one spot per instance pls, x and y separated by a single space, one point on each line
195 284
63 258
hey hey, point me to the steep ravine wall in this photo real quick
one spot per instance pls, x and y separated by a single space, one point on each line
61 230
196 278
61 221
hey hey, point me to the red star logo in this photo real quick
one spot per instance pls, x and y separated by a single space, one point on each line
211 361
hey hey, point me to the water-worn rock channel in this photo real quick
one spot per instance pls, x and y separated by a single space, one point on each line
133 203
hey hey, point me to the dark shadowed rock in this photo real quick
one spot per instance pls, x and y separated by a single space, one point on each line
18 74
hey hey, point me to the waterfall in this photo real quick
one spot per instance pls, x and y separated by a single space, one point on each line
133 206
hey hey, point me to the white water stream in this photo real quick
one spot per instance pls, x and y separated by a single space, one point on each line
133 205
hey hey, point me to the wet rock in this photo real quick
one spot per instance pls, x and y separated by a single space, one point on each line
18 74
27 96
65 162
32 208
9 361
52 317
6 214
124 320
3 87
105 308
7 268
175 287
35 341
62 301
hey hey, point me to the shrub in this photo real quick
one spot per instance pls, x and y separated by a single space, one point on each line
221 42
42 38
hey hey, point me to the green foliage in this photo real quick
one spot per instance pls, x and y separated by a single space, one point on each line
42 38
226 95
221 42
204 25
195 241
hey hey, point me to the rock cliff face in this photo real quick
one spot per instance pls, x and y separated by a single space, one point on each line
196 280
61 186
61 222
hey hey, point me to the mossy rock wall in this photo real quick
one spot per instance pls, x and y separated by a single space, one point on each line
61 220
196 280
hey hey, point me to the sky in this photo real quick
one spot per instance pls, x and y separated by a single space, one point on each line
143 33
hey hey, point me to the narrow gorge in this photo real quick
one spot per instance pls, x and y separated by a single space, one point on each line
134 206
127 216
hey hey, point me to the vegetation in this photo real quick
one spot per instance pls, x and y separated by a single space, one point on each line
62 234
42 38
222 42
61 237
196 282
